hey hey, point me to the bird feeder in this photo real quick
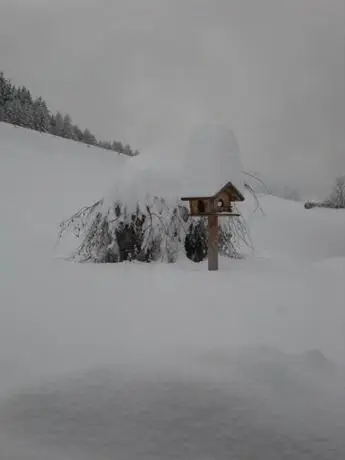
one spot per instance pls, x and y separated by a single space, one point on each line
218 205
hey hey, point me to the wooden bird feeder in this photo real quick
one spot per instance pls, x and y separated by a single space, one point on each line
214 206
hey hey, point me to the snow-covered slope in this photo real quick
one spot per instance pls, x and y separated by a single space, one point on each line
155 361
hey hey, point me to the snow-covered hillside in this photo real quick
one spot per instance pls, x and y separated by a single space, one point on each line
135 361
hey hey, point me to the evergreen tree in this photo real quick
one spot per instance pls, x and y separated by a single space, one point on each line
6 90
23 95
88 137
14 112
117 147
67 130
57 125
41 116
19 108
105 145
78 133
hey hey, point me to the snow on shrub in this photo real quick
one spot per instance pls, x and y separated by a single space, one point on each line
155 231
142 218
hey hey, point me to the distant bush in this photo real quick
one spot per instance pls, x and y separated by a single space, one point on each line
336 200
337 197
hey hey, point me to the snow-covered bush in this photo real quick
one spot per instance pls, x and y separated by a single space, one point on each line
152 232
142 217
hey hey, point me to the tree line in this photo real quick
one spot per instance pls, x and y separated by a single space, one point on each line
18 107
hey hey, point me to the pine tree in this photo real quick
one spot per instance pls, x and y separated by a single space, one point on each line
41 116
67 130
78 133
14 112
18 107
57 125
105 145
88 137
117 147
6 90
23 95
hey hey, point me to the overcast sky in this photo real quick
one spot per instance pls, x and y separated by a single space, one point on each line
144 71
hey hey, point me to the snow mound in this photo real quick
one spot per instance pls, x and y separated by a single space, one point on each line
209 160
143 178
212 159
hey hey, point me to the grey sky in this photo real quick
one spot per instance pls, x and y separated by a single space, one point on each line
144 71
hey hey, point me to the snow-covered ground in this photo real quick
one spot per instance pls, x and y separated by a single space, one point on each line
136 361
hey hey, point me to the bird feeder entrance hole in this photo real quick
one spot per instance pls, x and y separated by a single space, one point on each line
213 207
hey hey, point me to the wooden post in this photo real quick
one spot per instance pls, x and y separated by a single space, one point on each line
212 243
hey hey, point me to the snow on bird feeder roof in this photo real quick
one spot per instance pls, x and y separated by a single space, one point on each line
212 161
